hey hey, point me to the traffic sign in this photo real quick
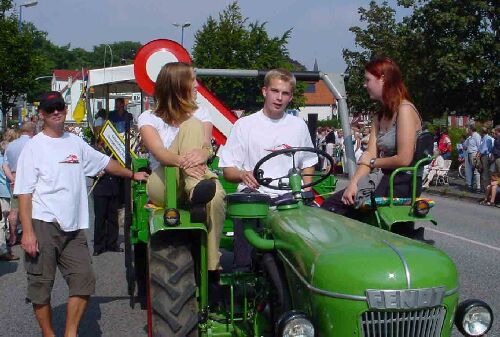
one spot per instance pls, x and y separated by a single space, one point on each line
153 56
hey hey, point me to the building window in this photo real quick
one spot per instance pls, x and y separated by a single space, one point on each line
310 88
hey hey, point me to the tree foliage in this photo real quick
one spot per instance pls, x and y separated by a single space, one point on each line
19 61
26 54
232 42
448 51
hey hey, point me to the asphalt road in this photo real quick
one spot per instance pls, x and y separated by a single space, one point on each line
469 233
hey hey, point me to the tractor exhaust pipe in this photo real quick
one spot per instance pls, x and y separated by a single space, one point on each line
272 269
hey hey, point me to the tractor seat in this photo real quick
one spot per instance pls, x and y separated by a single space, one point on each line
248 198
384 201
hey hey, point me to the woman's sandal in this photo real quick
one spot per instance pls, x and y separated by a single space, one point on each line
202 193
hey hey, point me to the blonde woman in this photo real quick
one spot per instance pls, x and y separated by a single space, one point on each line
174 136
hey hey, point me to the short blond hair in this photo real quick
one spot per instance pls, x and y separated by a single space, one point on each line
281 74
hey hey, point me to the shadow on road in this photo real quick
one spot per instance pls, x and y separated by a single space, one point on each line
89 325
8 267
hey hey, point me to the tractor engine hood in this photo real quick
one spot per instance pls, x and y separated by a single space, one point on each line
339 255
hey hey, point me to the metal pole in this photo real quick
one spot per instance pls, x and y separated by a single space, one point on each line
20 17
338 90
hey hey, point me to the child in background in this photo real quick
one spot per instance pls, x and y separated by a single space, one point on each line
491 191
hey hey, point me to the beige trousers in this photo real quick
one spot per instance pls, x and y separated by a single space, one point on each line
190 137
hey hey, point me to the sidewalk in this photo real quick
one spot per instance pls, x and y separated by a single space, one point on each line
456 189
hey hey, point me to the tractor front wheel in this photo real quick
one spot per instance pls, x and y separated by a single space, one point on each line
173 301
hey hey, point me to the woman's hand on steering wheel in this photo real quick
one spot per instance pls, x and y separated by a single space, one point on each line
350 194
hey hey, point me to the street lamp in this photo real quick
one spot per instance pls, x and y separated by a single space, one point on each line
182 25
28 4
110 52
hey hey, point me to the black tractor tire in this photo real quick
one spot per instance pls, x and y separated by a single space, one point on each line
174 306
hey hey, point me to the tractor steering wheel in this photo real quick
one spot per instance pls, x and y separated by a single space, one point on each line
258 173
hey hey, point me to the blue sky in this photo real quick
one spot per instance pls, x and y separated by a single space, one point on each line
320 27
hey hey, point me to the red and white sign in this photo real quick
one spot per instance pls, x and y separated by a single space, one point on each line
148 63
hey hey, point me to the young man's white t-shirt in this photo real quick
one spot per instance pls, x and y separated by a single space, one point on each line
255 136
166 132
53 171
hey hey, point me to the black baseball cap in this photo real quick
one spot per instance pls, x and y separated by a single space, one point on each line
51 101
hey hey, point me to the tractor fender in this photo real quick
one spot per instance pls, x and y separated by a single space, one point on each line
157 225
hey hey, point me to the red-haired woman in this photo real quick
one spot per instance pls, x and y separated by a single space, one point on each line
392 139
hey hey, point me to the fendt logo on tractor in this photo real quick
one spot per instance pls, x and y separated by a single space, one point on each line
313 273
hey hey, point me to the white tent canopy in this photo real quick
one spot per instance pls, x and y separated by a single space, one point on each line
102 82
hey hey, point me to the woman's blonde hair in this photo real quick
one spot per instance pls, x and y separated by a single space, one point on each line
174 92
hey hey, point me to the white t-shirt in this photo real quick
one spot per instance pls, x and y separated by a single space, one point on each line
255 136
167 132
53 170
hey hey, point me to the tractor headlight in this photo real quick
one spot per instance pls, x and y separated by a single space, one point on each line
294 324
474 318
421 208
171 217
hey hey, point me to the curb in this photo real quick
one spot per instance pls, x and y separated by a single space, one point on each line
460 195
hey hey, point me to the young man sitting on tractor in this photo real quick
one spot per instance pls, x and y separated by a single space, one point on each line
257 135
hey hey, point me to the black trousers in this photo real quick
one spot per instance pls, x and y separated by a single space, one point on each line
105 223
402 189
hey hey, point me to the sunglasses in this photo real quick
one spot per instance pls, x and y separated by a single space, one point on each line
59 106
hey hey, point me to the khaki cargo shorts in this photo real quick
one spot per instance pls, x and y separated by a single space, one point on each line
67 250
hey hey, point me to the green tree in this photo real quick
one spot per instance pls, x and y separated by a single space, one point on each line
231 42
379 37
19 61
448 51
456 48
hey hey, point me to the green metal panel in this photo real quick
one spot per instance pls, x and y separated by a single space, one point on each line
327 245
391 215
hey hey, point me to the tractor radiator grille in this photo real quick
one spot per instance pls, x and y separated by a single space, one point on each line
419 323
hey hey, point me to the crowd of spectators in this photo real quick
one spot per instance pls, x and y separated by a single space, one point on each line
478 151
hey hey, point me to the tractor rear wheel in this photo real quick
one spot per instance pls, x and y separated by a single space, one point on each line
174 307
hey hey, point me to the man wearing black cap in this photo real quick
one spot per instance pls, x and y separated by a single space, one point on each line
53 207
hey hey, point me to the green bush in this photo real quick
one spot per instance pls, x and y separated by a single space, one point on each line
334 122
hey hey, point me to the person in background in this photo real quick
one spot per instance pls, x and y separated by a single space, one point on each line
53 207
5 195
486 156
429 172
100 118
444 142
496 149
491 191
471 148
12 153
120 117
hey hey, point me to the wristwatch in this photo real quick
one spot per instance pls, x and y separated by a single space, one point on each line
372 163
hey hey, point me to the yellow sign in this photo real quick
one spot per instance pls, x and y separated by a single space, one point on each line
115 142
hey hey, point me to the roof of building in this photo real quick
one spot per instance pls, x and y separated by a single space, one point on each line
320 96
64 74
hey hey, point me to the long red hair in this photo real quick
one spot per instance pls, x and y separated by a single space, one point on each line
394 90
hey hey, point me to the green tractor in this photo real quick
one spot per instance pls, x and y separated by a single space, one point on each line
315 273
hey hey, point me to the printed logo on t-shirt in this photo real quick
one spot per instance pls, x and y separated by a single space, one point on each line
280 147
71 159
